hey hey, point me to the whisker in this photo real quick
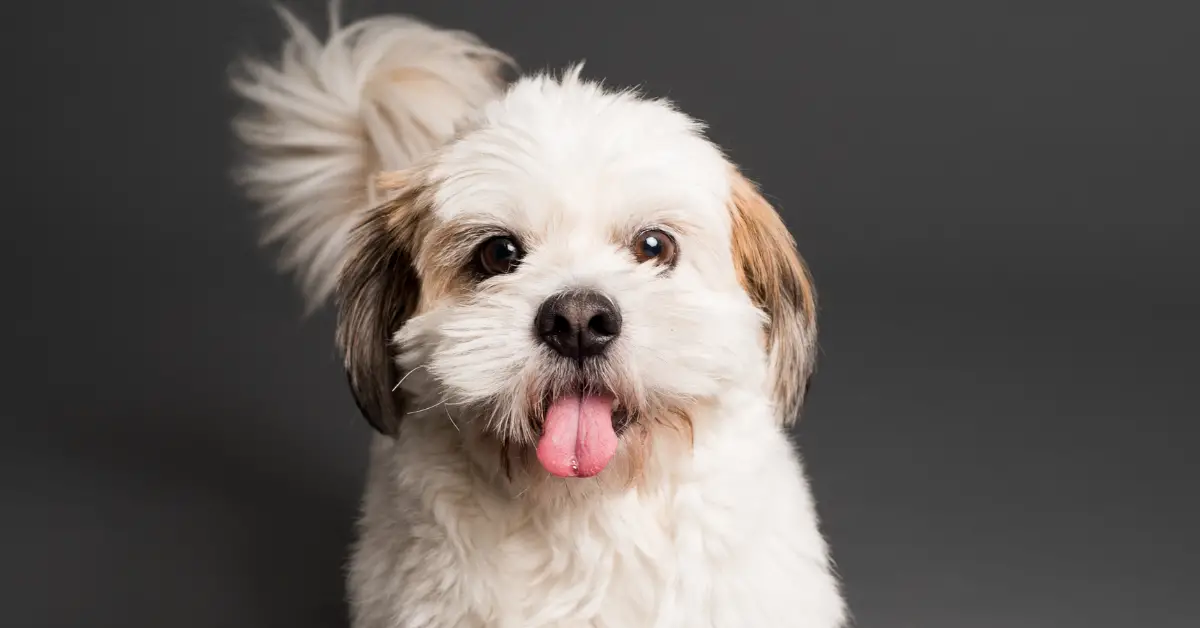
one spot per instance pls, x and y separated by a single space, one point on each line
429 408
450 417
418 367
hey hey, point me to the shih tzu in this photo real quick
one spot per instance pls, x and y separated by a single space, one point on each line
580 333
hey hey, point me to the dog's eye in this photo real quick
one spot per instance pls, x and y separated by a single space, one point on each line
498 256
655 245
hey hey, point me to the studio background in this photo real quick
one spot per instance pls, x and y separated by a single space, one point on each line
998 199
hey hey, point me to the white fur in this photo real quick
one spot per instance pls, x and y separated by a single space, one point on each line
716 527
376 96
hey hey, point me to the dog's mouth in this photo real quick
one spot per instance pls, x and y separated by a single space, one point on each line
580 432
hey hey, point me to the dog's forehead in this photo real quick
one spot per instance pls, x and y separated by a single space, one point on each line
569 153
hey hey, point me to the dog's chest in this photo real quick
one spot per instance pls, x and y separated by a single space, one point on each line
637 561
729 542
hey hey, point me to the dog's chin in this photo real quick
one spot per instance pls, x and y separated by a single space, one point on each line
572 421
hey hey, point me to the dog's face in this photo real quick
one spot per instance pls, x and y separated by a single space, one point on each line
578 267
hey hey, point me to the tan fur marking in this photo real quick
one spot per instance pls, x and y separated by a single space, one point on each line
391 181
638 446
379 290
446 256
777 280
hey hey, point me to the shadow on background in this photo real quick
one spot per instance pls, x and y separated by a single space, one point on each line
151 520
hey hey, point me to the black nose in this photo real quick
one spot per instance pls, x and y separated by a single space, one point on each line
578 324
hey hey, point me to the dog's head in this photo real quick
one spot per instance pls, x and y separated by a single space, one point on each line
579 266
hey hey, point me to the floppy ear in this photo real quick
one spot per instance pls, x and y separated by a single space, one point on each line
378 290
772 272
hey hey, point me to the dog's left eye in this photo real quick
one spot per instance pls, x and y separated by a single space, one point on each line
498 256
656 245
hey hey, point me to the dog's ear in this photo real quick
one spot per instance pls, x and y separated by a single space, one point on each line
777 280
378 290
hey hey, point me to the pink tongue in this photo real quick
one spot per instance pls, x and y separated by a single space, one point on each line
578 438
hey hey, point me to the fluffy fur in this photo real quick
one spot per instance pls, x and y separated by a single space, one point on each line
384 156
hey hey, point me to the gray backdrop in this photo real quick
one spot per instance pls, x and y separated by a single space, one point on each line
998 200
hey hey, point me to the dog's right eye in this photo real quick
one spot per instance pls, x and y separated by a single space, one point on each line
498 256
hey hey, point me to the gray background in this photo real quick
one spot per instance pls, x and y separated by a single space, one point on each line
998 200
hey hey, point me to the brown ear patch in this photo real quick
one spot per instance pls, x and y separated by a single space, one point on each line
775 277
391 181
377 292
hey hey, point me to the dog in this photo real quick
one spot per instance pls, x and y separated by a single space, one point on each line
580 333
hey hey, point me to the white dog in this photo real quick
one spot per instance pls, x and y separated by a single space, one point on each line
580 333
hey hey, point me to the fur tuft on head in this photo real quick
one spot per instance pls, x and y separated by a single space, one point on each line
329 116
